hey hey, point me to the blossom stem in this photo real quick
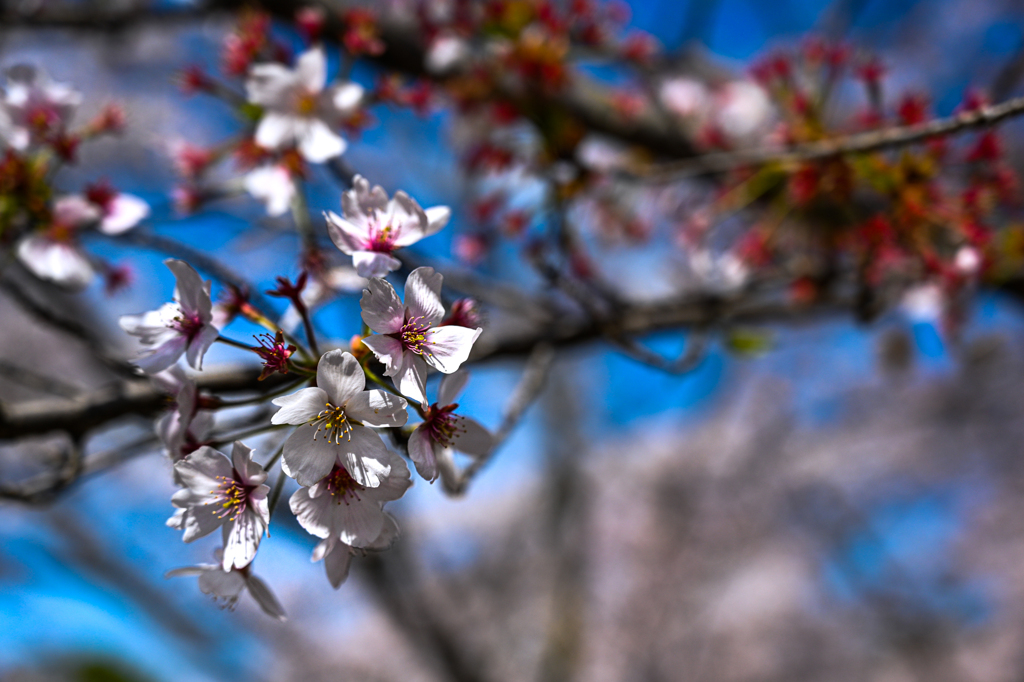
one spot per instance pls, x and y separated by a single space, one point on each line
263 397
242 435
231 342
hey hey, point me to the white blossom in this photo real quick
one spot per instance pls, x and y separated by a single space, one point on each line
371 227
223 493
408 338
333 418
743 112
443 429
33 107
339 510
298 107
446 53
184 327
227 586
272 185
184 429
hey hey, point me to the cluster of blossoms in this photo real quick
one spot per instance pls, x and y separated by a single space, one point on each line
42 225
336 452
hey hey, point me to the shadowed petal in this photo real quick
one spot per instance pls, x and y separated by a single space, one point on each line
340 375
299 407
421 451
423 295
377 408
306 459
383 312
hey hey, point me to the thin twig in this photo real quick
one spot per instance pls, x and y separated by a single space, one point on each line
860 143
687 361
534 375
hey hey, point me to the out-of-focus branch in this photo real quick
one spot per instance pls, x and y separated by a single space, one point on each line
861 143
526 392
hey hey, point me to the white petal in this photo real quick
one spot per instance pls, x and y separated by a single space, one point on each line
377 408
347 98
472 438
347 236
197 348
222 584
271 85
276 130
272 185
299 407
365 457
412 377
126 211
437 218
311 69
450 346
388 350
423 295
241 540
163 356
318 143
337 562
59 262
314 514
265 598
306 459
340 375
383 312
421 451
359 521
374 263
192 292
452 387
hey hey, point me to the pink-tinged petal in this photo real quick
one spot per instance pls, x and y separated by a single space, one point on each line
388 534
197 348
340 375
359 522
270 85
421 451
241 540
192 292
250 471
412 378
311 69
276 130
126 211
347 236
300 407
374 263
383 312
388 350
408 217
58 262
423 295
273 186
152 327
363 199
364 456
377 408
308 459
222 584
163 356
263 596
452 387
314 514
437 218
472 438
346 98
337 562
449 347
318 143
75 211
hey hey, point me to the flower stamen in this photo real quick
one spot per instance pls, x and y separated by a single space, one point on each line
333 422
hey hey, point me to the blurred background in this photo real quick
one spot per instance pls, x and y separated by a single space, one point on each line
841 502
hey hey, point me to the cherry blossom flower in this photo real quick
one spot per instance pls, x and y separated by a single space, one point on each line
337 556
184 327
333 418
184 429
54 253
272 185
229 585
223 493
446 53
441 428
34 108
337 509
373 227
408 337
299 109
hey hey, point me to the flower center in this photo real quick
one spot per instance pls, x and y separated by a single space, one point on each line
333 422
381 239
42 118
231 496
305 103
413 335
187 324
342 486
441 424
